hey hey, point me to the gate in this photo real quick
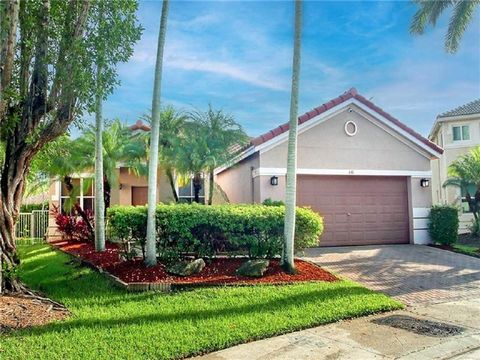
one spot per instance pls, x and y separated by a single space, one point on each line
32 226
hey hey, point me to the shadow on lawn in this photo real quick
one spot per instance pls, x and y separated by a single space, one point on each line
175 316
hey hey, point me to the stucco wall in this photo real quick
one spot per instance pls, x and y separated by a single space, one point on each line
327 146
237 181
123 196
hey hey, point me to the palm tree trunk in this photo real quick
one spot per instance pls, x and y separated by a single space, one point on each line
197 186
290 194
211 182
151 254
171 180
107 193
99 194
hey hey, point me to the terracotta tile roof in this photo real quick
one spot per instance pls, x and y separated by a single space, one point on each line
140 125
352 93
470 108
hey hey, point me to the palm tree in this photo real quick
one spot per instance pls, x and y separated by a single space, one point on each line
430 11
151 254
464 173
223 137
170 140
291 186
120 148
99 175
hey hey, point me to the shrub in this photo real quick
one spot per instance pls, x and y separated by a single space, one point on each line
206 231
443 226
27 208
475 228
71 226
270 202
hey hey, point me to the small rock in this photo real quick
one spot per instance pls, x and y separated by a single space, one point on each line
186 268
253 268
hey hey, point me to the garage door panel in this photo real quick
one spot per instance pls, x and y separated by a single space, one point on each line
358 210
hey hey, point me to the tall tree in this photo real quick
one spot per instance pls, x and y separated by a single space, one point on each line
111 32
171 136
291 187
150 248
222 138
47 64
430 11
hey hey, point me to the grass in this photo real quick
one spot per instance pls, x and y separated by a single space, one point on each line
467 249
108 323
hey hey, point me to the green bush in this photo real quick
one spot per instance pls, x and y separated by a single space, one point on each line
270 202
206 231
27 208
443 226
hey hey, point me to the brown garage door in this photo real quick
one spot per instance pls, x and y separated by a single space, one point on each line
139 195
358 210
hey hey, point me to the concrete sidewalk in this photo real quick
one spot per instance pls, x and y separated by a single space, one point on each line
365 339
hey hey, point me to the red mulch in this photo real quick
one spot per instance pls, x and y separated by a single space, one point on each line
216 272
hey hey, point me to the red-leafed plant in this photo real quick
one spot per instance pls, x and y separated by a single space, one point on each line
72 227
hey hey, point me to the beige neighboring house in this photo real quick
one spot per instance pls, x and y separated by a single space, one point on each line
457 131
132 190
363 170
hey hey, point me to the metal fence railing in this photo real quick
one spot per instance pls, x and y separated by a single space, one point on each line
31 226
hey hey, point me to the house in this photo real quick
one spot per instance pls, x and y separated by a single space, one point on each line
132 190
362 169
457 131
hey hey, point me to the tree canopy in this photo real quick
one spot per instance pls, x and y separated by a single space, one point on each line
48 58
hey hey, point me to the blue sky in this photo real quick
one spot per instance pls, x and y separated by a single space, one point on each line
237 56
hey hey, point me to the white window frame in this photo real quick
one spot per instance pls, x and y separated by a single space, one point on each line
81 197
461 126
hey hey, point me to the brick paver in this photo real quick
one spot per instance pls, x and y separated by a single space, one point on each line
414 274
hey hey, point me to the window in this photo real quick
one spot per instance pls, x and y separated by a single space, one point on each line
461 133
472 189
186 193
85 196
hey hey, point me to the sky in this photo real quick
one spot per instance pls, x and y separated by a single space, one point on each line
237 57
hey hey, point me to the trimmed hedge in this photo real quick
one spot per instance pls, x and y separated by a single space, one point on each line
192 229
443 226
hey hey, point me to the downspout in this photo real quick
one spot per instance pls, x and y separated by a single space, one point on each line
253 184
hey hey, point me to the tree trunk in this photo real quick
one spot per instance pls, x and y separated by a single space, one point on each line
211 183
107 194
171 180
8 253
151 253
99 177
9 13
197 186
290 194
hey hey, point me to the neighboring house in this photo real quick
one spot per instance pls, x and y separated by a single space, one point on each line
457 131
358 166
132 190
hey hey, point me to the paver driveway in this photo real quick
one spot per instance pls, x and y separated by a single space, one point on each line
414 274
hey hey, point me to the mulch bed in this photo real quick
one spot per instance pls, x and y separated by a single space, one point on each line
217 271
18 312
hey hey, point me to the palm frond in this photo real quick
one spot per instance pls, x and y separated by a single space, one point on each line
463 11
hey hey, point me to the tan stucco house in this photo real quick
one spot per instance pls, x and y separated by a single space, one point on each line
457 131
363 170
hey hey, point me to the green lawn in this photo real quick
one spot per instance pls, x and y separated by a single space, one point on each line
108 323
467 249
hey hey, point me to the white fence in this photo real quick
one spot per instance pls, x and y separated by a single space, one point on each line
31 226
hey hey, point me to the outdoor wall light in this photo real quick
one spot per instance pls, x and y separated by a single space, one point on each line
424 183
120 186
274 180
